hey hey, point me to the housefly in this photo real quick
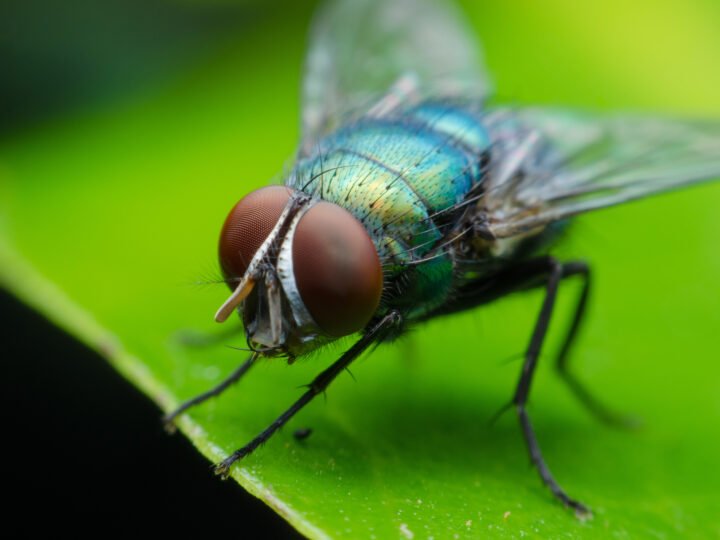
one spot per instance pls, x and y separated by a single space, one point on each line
410 197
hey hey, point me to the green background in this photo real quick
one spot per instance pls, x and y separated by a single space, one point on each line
109 214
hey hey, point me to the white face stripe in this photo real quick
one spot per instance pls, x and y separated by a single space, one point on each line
286 273
247 281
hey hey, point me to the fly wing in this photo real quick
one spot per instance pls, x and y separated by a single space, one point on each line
551 164
361 50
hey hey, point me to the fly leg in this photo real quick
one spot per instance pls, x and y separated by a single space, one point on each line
596 407
556 272
317 386
169 418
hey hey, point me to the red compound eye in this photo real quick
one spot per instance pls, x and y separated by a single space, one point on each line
337 269
247 227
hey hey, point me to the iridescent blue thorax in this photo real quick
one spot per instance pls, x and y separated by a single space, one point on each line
401 176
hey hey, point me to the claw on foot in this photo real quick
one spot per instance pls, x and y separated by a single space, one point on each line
582 512
169 423
222 469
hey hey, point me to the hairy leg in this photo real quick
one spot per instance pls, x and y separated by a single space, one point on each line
169 418
555 272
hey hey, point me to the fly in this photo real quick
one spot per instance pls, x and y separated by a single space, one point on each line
410 198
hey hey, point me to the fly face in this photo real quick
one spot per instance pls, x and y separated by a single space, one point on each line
303 272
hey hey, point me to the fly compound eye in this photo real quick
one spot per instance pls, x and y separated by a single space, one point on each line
337 269
247 226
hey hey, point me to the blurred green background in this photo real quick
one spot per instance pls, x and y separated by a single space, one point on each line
127 131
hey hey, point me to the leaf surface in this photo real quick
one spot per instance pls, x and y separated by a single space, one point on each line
110 217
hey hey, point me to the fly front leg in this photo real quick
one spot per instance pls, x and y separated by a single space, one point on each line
556 271
317 386
235 376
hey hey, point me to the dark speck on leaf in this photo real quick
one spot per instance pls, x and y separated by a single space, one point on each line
302 433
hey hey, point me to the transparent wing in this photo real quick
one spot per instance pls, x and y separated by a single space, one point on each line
550 164
363 49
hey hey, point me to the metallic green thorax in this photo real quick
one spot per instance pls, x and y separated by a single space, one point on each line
401 176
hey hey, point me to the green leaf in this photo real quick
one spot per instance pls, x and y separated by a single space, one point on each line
108 219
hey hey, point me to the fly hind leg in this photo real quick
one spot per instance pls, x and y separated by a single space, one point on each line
555 273
591 403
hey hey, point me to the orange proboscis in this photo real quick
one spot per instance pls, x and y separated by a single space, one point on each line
243 289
